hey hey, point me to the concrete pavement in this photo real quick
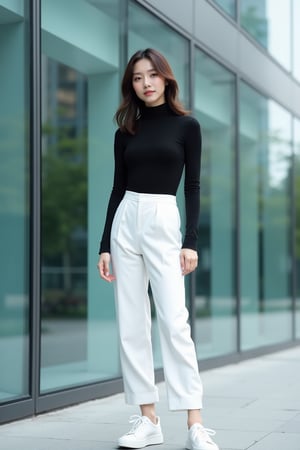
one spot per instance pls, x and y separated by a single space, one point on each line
253 405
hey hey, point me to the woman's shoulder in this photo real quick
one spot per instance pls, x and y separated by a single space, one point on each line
121 135
189 122
189 119
121 139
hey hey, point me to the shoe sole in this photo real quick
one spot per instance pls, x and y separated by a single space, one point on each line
189 446
153 440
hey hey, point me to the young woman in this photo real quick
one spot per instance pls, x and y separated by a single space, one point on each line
155 141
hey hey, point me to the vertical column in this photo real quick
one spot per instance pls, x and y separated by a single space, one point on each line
14 300
103 97
35 241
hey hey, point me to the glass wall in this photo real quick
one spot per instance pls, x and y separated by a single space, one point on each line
229 6
145 30
14 201
269 22
215 303
297 211
296 38
80 89
265 227
85 44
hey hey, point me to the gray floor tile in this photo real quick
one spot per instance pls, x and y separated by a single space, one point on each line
292 426
236 439
14 443
253 405
278 441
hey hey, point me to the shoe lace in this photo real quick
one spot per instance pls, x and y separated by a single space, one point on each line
136 420
203 433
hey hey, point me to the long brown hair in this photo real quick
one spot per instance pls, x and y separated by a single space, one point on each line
129 109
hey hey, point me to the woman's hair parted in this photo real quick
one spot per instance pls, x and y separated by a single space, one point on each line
129 109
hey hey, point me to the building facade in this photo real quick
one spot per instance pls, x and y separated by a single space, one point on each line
238 68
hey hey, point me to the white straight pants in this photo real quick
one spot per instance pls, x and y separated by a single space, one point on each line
145 246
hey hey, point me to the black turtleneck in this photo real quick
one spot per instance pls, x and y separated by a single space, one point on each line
152 161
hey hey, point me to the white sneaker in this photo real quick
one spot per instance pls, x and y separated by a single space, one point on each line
199 438
143 433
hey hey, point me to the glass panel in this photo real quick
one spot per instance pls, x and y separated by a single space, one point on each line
215 327
14 201
269 22
296 38
229 6
80 86
297 206
145 31
265 165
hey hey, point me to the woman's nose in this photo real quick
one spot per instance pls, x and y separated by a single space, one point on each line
146 82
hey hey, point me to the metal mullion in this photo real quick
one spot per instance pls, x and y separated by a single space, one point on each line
238 12
123 34
35 138
237 250
293 226
192 277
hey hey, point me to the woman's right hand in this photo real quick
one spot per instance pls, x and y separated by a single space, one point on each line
103 267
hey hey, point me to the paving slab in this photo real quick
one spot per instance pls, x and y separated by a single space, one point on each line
278 441
253 405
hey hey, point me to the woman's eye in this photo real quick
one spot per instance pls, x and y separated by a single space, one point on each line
136 78
153 75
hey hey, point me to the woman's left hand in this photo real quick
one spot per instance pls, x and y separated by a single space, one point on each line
188 260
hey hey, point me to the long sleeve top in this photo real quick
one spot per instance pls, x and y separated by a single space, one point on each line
152 161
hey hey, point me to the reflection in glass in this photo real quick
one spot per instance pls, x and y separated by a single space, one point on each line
296 39
145 30
269 22
229 6
80 81
265 164
14 202
297 210
64 215
215 327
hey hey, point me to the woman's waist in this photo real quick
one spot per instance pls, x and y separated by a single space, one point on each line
149 197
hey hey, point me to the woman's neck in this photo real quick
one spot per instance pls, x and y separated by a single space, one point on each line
148 112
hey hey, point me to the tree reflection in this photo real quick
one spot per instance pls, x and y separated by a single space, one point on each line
64 222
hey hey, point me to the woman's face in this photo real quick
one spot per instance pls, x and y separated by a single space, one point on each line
147 84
